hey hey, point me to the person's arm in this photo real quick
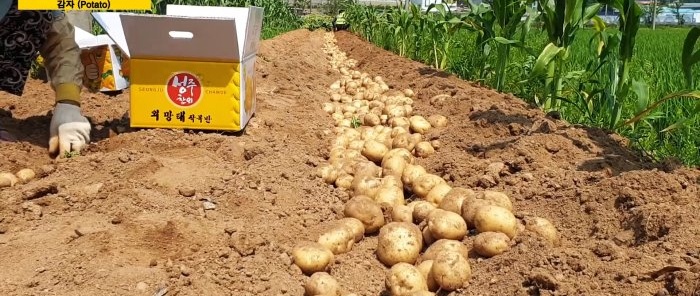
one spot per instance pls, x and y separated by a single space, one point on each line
62 60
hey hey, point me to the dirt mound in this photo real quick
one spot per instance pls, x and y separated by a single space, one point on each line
211 214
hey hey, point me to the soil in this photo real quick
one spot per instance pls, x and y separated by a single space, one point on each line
128 217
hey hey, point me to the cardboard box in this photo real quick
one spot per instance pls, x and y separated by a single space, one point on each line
106 66
192 68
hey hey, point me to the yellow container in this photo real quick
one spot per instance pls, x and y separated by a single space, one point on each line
193 68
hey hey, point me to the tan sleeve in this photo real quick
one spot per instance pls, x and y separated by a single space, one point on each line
62 60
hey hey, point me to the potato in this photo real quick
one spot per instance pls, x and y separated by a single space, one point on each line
409 108
356 145
395 131
411 172
345 123
374 150
422 293
366 169
329 108
451 271
489 244
428 238
422 185
401 141
419 124
436 144
447 225
392 181
355 225
399 242
442 245
8 180
364 185
367 133
421 210
312 257
424 268
453 200
390 195
424 149
496 219
401 213
437 120
402 122
385 138
344 180
393 166
498 198
339 239
366 210
322 284
438 193
469 208
543 228
408 92
402 153
404 279
327 173
371 120
413 140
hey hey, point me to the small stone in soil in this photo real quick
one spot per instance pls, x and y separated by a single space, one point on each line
187 191
208 205
3 229
141 286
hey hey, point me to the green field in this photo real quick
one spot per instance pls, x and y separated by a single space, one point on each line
583 86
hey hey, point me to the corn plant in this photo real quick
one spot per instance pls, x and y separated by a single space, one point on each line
508 16
442 28
400 21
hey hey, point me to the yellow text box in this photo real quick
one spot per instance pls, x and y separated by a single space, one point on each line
84 5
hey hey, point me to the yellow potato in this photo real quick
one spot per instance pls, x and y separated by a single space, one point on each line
454 199
438 193
312 257
498 199
496 219
344 180
451 271
424 149
393 166
421 210
322 284
355 225
338 239
442 245
419 124
365 169
401 141
400 122
371 120
427 236
399 242
25 175
411 173
392 181
366 210
327 173
469 208
8 180
401 213
374 150
489 244
424 268
356 145
390 195
446 225
543 228
402 153
404 279
424 183
413 140
437 120
368 186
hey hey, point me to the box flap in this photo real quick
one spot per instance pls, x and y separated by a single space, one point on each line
85 39
112 24
248 22
180 38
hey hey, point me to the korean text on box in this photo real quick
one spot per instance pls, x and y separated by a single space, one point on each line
191 68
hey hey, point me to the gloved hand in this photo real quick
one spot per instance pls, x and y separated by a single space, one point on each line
70 130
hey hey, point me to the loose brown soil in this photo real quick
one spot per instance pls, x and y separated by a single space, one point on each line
127 218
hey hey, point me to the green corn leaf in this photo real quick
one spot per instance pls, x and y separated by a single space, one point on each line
548 53
641 89
688 58
640 115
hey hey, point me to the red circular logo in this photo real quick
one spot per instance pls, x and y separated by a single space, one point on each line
184 89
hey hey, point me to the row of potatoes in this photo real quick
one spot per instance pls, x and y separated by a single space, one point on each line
373 156
20 177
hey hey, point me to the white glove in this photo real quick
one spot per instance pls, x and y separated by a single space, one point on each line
70 130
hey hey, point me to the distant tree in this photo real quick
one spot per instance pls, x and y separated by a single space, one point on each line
676 5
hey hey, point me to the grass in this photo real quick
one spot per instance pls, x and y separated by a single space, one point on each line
656 60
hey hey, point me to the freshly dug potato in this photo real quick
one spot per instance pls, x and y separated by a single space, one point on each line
424 183
338 239
436 144
411 172
408 92
427 236
366 169
344 180
454 199
312 257
356 145
489 244
442 245
322 284
25 175
393 166
419 124
469 208
401 213
446 225
392 181
327 173
424 149
543 228
374 150
401 141
437 120
400 122
371 120
414 140
451 271
496 219
438 193
399 242
498 198
421 210
423 293
355 225
404 279
8 180
366 210
390 195
402 153
424 268
368 186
